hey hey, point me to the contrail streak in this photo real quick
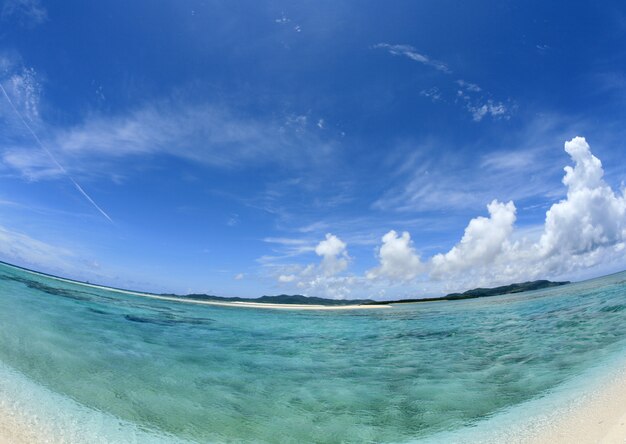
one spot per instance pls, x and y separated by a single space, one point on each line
54 160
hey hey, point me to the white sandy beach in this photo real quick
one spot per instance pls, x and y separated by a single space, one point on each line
207 302
262 305
14 431
597 417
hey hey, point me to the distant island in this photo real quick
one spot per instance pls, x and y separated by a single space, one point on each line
299 299
295 299
482 292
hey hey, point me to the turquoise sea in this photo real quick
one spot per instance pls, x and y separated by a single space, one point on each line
94 365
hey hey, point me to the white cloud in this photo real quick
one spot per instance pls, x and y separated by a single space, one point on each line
233 220
101 145
398 259
509 160
322 279
285 241
430 175
284 278
26 89
282 19
19 248
23 86
479 107
586 229
411 53
334 255
32 164
239 276
204 134
583 232
28 13
489 108
24 106
433 94
592 216
484 239
471 87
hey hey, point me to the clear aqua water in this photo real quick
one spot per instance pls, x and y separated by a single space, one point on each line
220 374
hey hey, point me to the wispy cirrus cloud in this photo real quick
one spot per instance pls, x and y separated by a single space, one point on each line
434 94
430 175
25 96
431 187
468 86
28 13
473 98
203 133
410 52
286 248
210 134
20 248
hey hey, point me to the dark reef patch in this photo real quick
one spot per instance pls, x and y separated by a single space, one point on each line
613 308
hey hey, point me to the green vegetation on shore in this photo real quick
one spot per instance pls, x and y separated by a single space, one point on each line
482 292
279 299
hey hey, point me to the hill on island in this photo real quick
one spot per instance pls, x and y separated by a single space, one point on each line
296 299
312 300
482 292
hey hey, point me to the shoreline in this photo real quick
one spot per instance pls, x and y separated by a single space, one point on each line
31 413
591 413
596 417
238 304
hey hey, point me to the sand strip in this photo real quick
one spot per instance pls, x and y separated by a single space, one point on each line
206 302
596 417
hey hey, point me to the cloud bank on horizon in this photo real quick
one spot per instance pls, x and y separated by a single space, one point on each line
585 229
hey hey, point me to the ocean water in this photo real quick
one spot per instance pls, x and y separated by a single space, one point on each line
94 365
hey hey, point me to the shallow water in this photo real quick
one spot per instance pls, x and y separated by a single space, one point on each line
206 373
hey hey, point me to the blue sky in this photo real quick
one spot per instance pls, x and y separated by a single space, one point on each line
249 148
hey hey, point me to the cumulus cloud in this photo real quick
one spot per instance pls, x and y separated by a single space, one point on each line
592 216
484 239
334 255
322 278
284 278
398 259
586 229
